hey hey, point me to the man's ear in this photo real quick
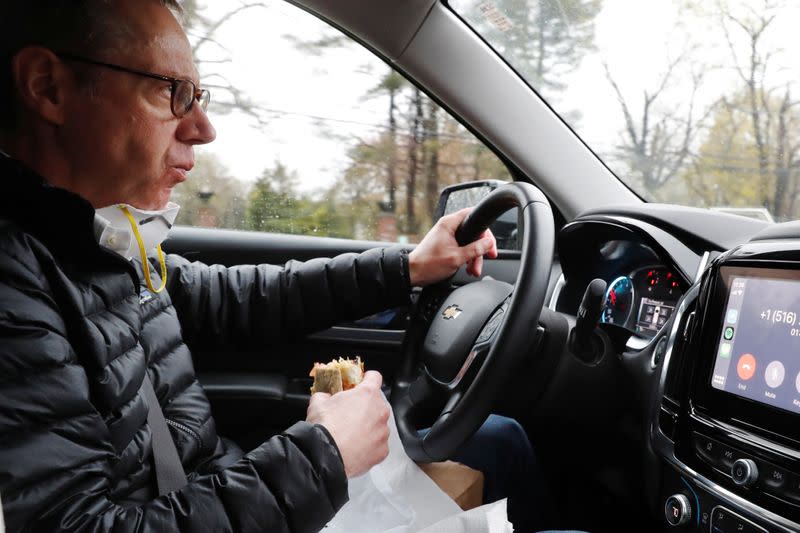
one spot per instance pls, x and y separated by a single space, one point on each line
42 82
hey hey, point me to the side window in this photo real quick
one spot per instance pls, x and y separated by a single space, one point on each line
316 135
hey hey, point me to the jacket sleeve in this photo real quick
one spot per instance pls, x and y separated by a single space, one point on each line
250 306
56 457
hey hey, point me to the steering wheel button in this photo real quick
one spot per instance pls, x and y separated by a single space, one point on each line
491 326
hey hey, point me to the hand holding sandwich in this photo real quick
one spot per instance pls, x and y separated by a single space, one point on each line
357 419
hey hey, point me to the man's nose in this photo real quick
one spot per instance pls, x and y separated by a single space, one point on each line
195 127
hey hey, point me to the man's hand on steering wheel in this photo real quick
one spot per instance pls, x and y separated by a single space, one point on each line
464 341
439 256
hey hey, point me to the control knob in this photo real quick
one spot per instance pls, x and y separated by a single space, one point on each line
744 472
677 510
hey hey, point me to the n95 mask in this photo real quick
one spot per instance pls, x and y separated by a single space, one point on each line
130 231
113 228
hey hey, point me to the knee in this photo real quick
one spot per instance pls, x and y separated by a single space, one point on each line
508 434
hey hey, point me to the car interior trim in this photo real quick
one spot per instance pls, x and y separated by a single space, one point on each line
557 292
687 300
370 336
702 266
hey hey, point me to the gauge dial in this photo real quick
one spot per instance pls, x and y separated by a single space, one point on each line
618 302
657 280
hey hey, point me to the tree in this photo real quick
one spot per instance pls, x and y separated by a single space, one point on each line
416 142
211 196
657 141
546 39
275 205
732 170
768 119
723 171
431 161
209 54
391 84
415 146
750 154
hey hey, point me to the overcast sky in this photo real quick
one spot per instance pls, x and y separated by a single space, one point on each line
636 38
304 92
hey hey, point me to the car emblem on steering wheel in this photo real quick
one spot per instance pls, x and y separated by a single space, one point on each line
451 313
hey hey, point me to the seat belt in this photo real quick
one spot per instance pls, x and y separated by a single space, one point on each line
169 470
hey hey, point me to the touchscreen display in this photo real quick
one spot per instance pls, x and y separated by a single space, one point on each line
758 351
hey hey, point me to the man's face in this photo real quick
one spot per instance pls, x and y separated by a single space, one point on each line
122 141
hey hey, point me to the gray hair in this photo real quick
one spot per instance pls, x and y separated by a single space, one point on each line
76 26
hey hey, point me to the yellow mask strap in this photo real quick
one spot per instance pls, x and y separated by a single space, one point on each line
143 254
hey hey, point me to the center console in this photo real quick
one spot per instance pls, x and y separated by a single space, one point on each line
726 413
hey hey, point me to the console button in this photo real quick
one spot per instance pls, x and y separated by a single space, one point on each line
725 521
727 455
707 448
677 510
744 472
792 488
667 422
774 477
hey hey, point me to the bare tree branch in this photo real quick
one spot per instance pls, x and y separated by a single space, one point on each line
212 29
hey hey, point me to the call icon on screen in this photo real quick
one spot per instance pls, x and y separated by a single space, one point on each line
746 367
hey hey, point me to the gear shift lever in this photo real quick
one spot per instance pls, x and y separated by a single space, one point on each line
580 338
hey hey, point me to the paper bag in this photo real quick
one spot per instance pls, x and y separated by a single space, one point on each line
463 484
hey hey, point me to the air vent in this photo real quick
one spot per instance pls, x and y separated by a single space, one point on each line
679 357
675 362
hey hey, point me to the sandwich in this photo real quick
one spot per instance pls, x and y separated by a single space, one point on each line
336 376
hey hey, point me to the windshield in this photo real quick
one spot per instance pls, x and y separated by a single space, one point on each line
688 102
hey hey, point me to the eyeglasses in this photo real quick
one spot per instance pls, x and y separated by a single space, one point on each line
184 93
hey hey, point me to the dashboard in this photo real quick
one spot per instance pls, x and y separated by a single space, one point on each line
644 280
728 410
716 360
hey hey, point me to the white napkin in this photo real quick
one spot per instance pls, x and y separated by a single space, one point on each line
395 496
489 518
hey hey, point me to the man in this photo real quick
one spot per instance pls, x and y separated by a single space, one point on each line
99 112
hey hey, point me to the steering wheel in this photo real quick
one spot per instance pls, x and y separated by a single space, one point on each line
462 345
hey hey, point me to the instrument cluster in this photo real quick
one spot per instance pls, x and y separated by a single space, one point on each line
642 300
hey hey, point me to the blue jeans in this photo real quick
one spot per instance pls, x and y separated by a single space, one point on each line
501 450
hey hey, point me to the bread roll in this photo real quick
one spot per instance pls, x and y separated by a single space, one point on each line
327 378
336 376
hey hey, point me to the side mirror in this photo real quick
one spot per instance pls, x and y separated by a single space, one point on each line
456 197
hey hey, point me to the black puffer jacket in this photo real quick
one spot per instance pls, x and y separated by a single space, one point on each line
77 335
